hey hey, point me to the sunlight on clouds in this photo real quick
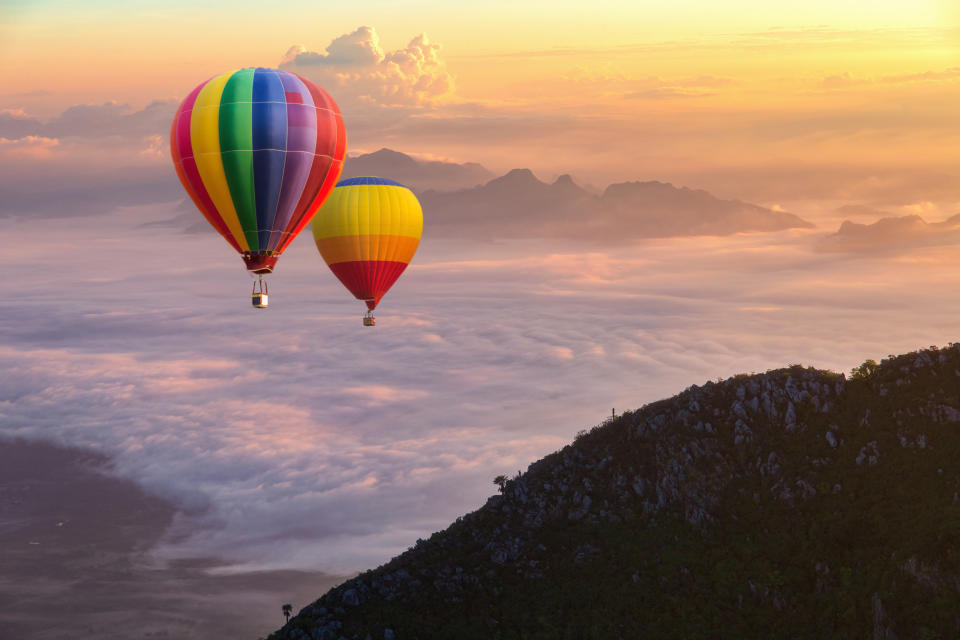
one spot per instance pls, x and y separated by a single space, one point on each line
35 147
378 395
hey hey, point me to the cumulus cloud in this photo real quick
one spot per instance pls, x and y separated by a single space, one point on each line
357 71
362 47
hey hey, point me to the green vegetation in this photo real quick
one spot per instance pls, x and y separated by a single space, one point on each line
865 370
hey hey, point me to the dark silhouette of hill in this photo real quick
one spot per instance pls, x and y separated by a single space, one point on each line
797 503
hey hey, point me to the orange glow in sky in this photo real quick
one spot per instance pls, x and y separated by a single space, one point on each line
607 90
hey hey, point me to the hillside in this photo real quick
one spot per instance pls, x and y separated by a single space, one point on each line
795 503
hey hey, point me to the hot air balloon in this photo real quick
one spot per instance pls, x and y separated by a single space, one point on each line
367 232
259 151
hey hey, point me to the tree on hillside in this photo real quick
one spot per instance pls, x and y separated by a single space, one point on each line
865 370
287 610
500 481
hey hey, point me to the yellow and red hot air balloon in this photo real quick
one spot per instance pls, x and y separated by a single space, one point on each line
258 150
367 232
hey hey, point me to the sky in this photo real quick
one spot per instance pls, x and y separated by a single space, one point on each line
294 438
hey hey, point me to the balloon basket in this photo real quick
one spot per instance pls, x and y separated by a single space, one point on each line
259 296
369 320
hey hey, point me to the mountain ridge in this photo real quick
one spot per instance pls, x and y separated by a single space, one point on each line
518 204
793 503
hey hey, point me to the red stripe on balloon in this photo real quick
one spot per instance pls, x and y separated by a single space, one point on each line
182 150
368 279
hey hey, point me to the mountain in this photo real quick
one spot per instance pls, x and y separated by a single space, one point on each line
417 174
891 233
797 503
519 205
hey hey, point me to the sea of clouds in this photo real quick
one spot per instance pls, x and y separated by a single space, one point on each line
295 437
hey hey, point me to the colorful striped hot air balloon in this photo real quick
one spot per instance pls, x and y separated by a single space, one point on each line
259 151
367 232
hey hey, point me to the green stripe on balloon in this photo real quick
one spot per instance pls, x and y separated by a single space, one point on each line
236 149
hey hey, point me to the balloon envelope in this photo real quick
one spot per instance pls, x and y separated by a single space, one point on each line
258 150
367 232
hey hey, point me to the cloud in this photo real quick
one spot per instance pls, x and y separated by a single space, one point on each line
66 178
16 123
93 121
377 395
88 160
840 81
297 438
845 79
665 93
35 147
950 74
358 72
360 48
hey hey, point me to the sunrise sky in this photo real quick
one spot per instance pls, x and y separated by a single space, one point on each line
294 438
602 89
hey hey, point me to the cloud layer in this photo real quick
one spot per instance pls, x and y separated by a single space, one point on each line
295 437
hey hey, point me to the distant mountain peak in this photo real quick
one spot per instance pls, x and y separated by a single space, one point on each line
390 155
519 175
420 175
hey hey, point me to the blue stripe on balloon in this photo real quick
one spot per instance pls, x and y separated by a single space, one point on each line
269 147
